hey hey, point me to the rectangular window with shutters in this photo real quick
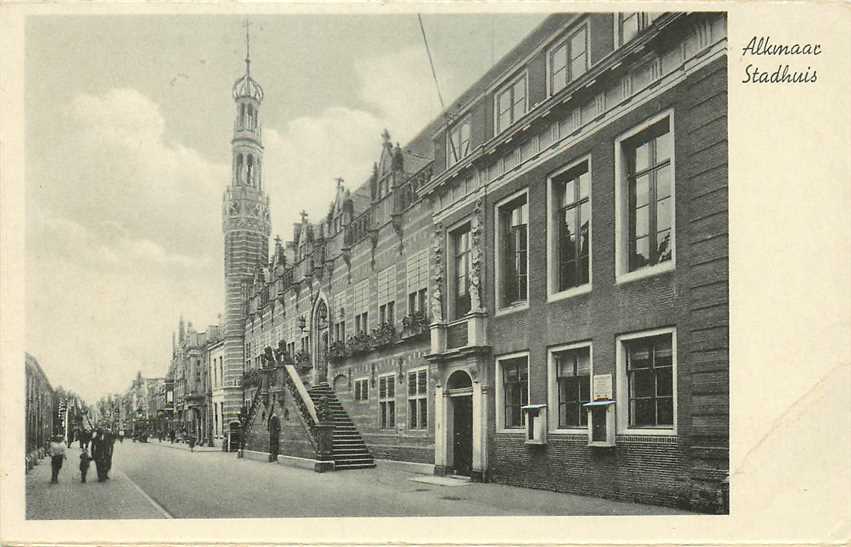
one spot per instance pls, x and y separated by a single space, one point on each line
360 306
458 142
512 390
387 295
361 389
387 401
645 199
569 233
340 331
568 59
647 388
512 241
629 24
510 103
418 399
417 282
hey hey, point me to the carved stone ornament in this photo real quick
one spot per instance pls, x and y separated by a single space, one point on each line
234 208
476 255
434 372
373 240
437 267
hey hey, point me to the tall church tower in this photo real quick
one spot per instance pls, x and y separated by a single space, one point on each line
246 223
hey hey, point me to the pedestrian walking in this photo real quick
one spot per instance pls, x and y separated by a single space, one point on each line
99 453
85 460
191 441
171 436
57 456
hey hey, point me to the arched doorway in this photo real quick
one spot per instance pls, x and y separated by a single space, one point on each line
320 331
460 390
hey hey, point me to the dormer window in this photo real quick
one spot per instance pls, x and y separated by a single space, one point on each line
458 142
629 24
568 59
510 103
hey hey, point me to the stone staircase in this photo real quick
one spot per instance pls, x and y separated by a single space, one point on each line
349 450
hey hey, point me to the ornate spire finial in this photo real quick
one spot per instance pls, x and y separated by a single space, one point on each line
303 215
339 181
385 136
247 48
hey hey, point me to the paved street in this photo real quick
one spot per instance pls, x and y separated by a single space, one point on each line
159 481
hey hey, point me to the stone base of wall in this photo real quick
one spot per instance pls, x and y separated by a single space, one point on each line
651 470
413 454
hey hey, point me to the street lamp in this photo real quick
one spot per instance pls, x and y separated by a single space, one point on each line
302 323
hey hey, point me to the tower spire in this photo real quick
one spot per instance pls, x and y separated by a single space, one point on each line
247 48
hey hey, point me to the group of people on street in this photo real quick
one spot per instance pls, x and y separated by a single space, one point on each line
100 441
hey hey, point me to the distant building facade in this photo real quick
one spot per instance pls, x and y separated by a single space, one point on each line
39 410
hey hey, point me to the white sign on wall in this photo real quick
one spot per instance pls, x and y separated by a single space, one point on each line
602 386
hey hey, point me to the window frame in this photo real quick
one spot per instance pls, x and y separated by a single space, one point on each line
505 87
564 40
503 308
622 225
553 390
645 20
365 382
466 119
416 289
622 394
452 274
390 380
500 395
417 397
553 294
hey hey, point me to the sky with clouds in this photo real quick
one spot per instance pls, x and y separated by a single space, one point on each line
129 120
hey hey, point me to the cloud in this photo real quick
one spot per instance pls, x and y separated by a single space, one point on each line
123 234
303 158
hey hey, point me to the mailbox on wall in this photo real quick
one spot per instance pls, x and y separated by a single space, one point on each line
536 424
601 423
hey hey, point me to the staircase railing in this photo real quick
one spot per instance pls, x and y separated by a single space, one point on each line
307 412
249 417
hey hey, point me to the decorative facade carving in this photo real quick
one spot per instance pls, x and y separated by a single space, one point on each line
476 256
437 267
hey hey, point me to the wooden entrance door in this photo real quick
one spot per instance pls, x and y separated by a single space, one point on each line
462 433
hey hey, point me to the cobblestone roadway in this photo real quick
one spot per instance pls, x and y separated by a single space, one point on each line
149 479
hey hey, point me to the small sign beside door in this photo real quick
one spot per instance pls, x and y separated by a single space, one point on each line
602 386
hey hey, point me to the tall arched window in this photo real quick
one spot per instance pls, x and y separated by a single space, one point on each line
251 123
250 177
242 115
239 178
259 176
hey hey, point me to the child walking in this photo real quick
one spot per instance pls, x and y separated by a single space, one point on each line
85 460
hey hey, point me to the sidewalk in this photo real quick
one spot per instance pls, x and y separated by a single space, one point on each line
117 498
183 446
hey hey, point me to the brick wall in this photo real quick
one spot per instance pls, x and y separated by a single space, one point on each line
692 298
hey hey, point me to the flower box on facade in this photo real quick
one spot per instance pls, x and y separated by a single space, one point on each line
359 343
416 324
337 351
383 335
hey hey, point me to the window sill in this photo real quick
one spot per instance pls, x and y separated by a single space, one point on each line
650 271
507 310
514 431
662 432
575 431
569 293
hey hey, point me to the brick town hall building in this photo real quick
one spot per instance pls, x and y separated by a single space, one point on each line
533 291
